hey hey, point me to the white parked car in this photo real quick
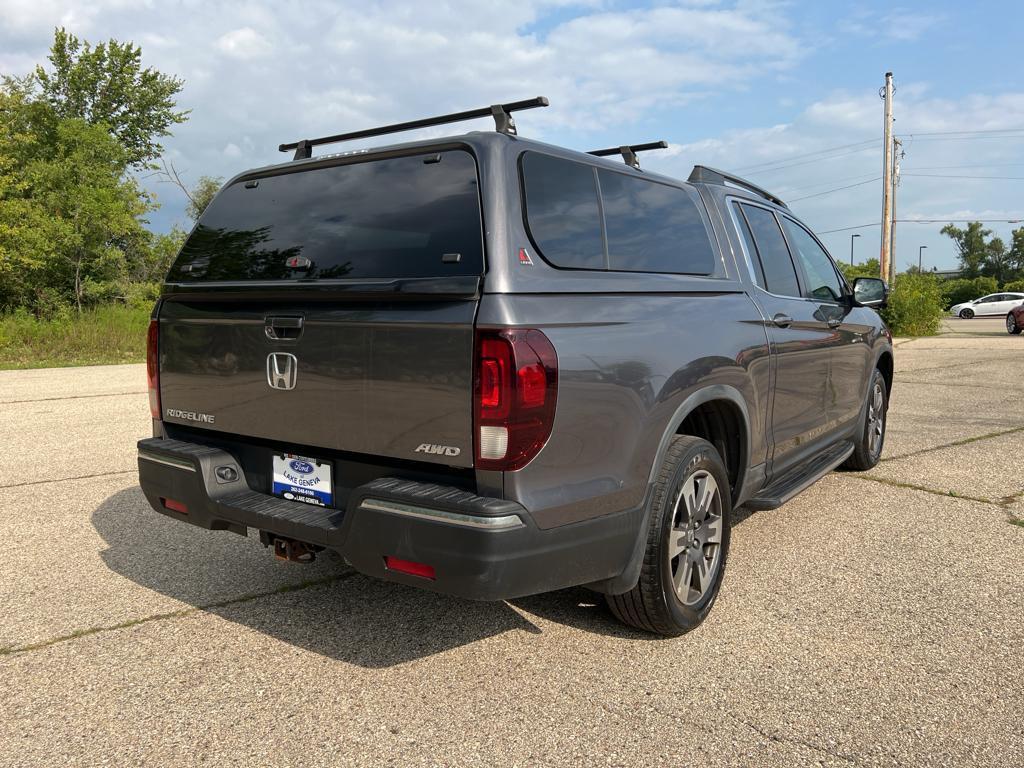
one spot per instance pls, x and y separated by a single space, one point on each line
993 304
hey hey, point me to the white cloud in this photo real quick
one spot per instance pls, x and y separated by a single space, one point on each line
899 24
244 43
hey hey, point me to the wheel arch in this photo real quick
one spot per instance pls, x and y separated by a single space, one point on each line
734 414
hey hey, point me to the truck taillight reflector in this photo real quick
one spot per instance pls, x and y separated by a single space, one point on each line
516 385
422 570
153 367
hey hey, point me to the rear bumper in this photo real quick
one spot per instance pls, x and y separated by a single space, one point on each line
480 548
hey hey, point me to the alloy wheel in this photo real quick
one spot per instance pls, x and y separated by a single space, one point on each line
876 419
695 540
1011 323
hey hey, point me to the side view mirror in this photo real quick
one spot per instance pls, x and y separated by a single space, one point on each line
870 292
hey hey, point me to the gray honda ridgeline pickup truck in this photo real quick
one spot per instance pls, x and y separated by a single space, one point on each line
492 367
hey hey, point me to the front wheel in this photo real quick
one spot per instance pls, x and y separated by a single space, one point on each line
687 543
966 314
868 448
1011 325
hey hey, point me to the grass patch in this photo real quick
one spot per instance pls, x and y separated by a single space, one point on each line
102 336
1017 521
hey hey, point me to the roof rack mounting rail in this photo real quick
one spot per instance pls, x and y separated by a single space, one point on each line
705 175
628 152
502 114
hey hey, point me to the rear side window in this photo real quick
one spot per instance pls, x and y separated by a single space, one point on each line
416 216
779 272
653 227
822 279
564 215
583 217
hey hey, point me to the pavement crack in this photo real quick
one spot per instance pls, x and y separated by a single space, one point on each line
71 397
12 650
934 491
65 479
956 443
764 733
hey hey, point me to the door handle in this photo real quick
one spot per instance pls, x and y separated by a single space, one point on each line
283 327
782 320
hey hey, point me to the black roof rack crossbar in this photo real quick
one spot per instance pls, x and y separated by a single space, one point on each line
705 175
629 152
502 114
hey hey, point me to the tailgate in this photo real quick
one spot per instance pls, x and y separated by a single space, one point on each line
387 379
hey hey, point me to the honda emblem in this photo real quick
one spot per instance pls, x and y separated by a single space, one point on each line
282 370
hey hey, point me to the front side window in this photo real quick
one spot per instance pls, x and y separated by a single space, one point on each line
563 211
822 279
779 272
653 227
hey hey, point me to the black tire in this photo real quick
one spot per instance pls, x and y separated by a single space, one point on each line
867 453
1011 325
654 604
966 314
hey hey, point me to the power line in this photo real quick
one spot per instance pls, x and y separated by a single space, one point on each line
946 176
958 133
847 229
1019 220
786 190
813 160
837 189
756 166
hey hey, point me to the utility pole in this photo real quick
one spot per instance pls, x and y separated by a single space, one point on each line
920 248
851 248
886 252
897 154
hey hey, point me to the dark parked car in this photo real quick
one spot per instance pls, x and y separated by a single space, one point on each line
493 367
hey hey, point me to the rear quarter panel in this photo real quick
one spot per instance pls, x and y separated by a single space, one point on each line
626 363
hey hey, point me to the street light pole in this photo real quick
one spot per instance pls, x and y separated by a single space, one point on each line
920 248
851 248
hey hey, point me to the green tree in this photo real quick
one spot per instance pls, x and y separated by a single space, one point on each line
66 206
107 85
1015 258
997 261
201 195
870 268
971 246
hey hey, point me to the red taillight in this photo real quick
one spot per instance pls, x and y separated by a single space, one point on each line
422 570
516 387
153 367
174 506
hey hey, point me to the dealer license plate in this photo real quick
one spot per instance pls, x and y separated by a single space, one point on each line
300 478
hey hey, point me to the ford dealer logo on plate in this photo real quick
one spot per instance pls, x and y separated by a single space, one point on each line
302 467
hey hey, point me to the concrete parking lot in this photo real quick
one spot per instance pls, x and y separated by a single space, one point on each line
877 619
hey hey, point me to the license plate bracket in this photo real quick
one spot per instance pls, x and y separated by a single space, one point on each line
303 479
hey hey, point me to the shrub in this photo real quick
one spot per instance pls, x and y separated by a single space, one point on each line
915 305
1017 286
108 334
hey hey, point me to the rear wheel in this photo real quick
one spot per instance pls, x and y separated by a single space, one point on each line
868 449
966 314
1011 324
687 543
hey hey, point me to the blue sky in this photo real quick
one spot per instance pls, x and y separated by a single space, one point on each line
766 88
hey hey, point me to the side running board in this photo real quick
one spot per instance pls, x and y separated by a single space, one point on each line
789 485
